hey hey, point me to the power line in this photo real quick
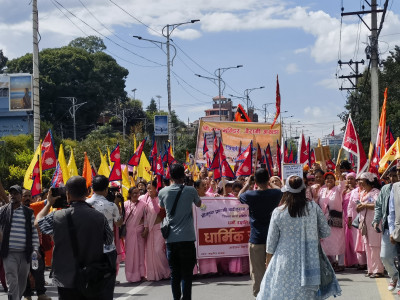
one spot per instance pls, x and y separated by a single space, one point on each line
106 37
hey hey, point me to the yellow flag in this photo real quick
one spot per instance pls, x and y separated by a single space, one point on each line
63 164
125 183
73 170
28 174
392 154
143 169
103 168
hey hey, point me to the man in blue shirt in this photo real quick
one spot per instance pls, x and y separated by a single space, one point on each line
181 251
261 203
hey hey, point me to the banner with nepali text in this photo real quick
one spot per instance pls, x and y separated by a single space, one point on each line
222 228
235 135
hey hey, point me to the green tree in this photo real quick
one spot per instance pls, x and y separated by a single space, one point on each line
91 44
152 107
3 61
95 78
358 103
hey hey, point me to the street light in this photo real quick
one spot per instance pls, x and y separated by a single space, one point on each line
169 28
248 91
134 94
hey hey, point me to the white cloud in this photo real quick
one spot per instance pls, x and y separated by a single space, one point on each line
300 50
292 68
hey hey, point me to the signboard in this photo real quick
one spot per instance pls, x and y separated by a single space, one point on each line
21 92
235 135
160 125
222 228
292 169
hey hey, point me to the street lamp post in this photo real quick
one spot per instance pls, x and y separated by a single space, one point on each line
134 94
248 91
169 28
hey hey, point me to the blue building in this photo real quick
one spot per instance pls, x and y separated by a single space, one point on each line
17 121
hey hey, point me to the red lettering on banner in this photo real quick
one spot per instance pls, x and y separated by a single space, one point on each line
223 236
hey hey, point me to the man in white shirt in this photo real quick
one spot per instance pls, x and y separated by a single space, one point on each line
112 213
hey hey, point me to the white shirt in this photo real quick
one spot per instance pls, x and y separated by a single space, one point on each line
109 210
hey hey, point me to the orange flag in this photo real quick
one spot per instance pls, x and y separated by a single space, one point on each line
87 171
380 137
278 102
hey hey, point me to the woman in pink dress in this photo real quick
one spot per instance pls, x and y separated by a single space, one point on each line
331 199
350 257
372 239
319 182
155 256
134 241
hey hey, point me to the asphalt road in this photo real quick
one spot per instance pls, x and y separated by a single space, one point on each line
354 286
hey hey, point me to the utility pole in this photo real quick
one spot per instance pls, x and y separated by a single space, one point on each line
356 74
373 56
374 73
36 99
72 110
159 97
265 106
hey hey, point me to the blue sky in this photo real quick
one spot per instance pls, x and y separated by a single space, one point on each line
299 40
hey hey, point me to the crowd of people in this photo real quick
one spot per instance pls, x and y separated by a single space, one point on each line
297 226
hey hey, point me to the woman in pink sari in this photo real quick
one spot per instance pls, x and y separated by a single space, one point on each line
372 239
155 256
350 257
134 241
330 200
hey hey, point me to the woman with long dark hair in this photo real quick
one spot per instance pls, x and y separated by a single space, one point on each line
293 263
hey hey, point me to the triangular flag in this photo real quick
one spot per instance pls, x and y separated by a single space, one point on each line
126 185
303 150
246 168
389 140
278 102
241 115
63 164
87 171
57 180
73 170
28 179
144 168
49 158
380 137
374 160
116 172
312 157
168 155
36 188
135 159
159 167
103 169
153 155
205 148
392 154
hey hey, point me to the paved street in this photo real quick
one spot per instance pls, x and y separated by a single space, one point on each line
353 283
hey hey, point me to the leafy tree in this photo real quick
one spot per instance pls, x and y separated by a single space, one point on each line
152 108
3 61
91 44
358 103
94 78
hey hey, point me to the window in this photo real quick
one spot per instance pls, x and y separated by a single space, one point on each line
3 92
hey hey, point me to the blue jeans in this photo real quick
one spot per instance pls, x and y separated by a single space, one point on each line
388 254
181 259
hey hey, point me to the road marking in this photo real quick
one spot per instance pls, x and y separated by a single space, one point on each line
382 284
135 290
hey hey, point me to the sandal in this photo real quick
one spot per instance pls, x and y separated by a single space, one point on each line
368 275
362 267
376 275
339 269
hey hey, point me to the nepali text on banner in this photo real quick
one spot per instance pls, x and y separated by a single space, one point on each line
222 228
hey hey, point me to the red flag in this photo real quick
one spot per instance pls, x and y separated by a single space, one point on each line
246 168
285 153
153 156
159 167
389 138
167 174
49 157
116 172
226 170
267 162
222 156
168 157
303 157
268 155
312 157
330 164
87 171
241 115
290 159
309 151
279 158
333 133
259 156
217 173
57 179
278 102
205 148
135 159
216 144
374 164
216 162
242 156
380 137
159 182
93 172
352 144
36 188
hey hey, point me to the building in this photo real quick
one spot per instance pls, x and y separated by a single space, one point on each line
17 120
331 140
227 111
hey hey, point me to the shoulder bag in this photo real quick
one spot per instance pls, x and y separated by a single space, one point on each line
166 224
90 279
335 218
122 229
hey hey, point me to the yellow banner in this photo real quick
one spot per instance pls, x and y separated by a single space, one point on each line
235 134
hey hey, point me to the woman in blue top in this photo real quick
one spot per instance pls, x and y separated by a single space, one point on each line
293 263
